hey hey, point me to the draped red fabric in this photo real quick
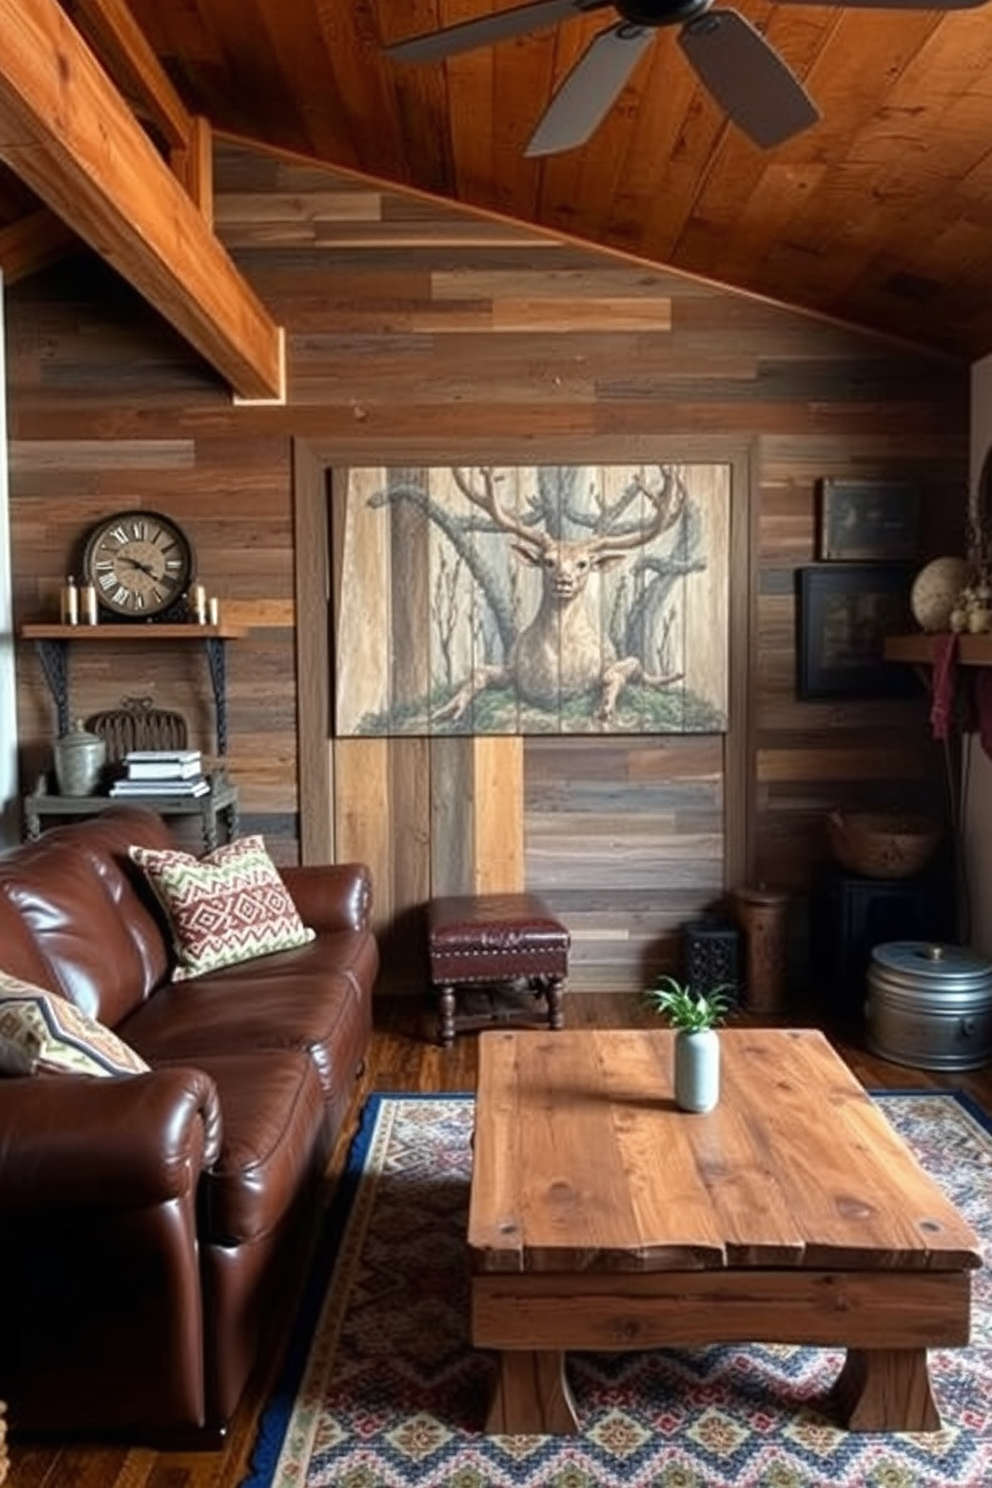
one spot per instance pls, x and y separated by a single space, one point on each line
950 707
943 684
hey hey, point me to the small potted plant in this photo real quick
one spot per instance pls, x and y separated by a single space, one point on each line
695 1016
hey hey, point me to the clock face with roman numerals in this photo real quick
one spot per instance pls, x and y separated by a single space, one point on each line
139 562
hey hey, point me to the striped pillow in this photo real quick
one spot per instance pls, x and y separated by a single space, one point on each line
41 1032
227 907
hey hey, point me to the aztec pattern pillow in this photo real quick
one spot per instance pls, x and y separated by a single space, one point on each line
226 907
42 1032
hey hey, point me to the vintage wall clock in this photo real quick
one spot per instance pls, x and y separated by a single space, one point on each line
141 564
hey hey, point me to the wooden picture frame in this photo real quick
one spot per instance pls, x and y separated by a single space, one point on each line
844 611
868 520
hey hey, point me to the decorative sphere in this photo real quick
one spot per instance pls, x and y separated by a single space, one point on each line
936 590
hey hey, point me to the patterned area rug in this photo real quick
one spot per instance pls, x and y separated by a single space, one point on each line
384 1389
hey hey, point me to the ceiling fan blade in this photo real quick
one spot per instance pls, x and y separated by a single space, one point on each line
747 77
590 88
487 29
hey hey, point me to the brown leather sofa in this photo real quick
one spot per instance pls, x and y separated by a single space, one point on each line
147 1221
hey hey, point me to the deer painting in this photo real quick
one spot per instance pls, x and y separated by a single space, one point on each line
562 649
552 603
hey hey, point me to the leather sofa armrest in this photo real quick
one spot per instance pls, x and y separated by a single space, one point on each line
331 896
132 1142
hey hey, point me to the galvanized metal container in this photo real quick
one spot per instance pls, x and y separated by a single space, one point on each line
929 1005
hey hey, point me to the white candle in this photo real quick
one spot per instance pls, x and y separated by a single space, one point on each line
70 602
200 604
213 610
89 604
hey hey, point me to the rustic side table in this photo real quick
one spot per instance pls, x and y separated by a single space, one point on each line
216 808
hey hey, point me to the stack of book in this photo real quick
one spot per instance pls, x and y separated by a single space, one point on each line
162 772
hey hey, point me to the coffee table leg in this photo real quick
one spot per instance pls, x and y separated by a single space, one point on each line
531 1396
886 1390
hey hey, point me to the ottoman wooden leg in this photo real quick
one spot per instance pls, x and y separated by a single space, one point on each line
446 1015
553 991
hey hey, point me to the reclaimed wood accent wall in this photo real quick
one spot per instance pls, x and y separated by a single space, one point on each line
418 334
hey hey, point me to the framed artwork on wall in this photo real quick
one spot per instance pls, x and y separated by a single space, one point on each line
844 611
500 599
868 519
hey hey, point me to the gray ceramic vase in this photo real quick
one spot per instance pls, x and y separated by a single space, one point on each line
79 760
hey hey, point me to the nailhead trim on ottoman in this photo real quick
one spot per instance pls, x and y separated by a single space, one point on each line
492 939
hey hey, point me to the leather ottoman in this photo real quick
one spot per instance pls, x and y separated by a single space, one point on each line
508 940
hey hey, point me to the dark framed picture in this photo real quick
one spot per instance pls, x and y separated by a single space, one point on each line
869 519
844 611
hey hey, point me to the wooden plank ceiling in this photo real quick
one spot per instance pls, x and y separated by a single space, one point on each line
879 215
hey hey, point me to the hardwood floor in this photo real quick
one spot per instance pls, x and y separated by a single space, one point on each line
403 1057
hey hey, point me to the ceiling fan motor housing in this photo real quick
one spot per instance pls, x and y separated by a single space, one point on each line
654 13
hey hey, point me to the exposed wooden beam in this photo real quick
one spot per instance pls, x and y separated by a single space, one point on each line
120 43
66 131
32 244
193 166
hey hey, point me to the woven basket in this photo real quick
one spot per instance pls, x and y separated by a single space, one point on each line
882 844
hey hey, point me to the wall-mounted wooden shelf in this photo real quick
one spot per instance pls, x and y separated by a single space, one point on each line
52 641
53 631
972 650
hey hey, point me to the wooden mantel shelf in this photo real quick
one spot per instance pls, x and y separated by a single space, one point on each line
150 631
972 650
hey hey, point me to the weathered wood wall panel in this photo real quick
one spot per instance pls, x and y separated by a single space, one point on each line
427 340
499 865
626 838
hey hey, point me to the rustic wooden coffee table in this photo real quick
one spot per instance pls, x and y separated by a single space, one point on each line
603 1218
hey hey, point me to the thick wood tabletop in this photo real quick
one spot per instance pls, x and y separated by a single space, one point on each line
582 1162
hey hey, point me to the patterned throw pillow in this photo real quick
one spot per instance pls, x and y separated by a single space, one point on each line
42 1032
226 907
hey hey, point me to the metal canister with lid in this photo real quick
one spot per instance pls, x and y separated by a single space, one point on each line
929 1005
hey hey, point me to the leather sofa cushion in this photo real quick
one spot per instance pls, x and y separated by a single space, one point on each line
352 953
92 920
269 1003
273 1113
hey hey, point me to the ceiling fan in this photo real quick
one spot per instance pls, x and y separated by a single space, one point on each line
744 73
